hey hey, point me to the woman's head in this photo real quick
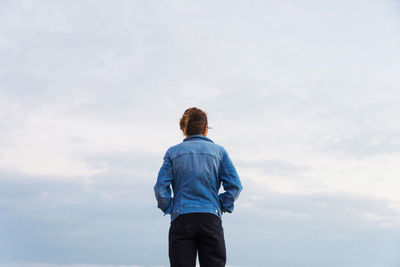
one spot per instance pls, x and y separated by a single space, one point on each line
194 121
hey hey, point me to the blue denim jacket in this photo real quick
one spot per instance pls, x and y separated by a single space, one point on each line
196 168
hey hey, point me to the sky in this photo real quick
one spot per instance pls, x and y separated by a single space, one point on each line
304 96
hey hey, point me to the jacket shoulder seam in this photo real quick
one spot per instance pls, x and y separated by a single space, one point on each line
201 153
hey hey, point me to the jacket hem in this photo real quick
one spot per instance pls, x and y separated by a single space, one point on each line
176 211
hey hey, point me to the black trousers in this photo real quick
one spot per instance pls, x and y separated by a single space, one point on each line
194 233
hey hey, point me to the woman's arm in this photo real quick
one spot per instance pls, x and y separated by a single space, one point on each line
230 182
162 188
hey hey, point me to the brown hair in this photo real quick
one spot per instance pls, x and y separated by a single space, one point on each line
193 121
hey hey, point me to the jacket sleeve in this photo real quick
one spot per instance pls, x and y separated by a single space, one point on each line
162 188
230 182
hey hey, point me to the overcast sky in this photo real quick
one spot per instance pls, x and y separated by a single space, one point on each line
304 96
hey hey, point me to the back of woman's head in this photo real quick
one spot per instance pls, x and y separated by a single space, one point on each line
193 121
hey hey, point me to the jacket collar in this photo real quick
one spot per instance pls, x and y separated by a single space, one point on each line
198 136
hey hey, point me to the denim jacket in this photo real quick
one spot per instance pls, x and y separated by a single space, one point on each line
195 169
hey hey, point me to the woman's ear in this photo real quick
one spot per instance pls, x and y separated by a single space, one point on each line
205 131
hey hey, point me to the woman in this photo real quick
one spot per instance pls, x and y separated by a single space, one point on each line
196 168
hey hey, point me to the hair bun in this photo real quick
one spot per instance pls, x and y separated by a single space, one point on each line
193 121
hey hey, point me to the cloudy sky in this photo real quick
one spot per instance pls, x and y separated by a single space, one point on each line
304 95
